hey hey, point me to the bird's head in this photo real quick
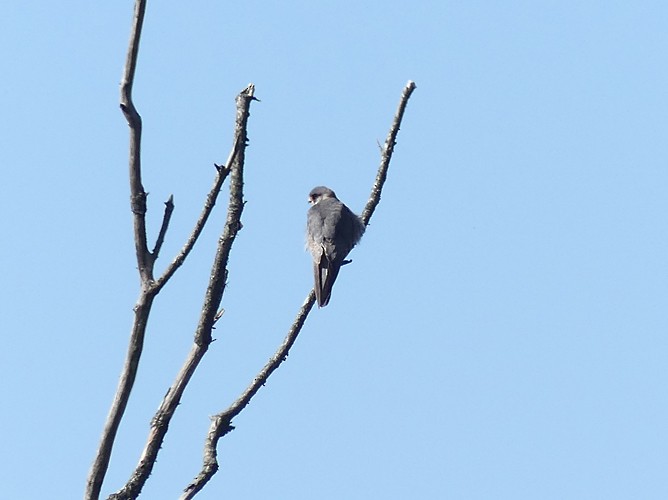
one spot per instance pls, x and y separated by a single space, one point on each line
320 193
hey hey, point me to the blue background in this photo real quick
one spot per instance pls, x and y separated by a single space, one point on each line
502 331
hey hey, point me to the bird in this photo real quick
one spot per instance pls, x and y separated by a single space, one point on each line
332 230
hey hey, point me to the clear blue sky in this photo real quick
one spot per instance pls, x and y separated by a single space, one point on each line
502 333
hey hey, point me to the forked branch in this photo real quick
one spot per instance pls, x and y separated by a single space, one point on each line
222 173
213 296
145 258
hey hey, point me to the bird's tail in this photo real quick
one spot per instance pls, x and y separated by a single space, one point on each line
325 273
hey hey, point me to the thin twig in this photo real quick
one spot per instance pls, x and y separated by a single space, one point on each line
144 264
169 208
386 154
213 297
221 175
137 193
221 423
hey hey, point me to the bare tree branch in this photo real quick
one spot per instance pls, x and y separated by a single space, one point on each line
386 154
212 299
137 193
145 258
221 424
169 208
145 262
211 312
222 173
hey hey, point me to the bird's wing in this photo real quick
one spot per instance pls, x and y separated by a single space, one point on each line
349 231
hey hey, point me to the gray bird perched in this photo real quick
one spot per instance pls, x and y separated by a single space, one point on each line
332 230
